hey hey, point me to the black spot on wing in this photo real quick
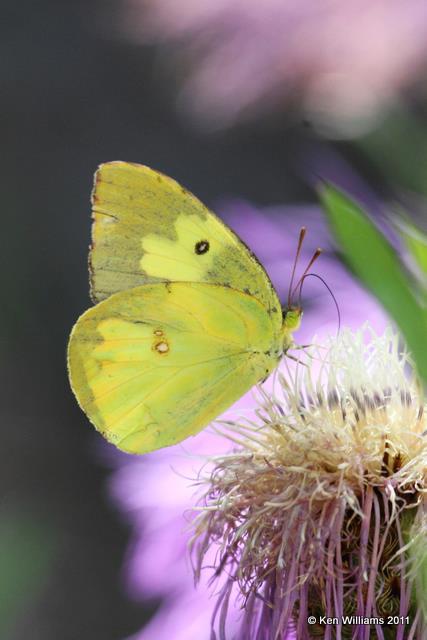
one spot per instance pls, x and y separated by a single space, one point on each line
202 246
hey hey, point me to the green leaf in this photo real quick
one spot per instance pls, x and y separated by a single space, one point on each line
415 241
374 261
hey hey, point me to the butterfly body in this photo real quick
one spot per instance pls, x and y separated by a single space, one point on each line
187 320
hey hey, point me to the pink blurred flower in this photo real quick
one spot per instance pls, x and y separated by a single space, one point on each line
341 61
156 491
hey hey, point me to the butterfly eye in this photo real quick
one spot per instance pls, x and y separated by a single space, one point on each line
292 318
201 247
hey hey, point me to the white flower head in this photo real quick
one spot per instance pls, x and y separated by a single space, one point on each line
313 514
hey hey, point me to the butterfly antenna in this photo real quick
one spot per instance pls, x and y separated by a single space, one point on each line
314 257
315 275
298 251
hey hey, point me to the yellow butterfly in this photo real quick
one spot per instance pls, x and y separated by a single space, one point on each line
187 319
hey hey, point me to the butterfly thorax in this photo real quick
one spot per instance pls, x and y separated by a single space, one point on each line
291 322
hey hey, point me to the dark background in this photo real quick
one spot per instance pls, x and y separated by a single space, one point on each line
74 94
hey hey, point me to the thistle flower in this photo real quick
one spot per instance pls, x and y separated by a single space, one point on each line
313 515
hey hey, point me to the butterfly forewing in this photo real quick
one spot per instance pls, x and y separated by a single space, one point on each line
147 228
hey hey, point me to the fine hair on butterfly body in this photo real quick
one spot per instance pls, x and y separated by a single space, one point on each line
185 320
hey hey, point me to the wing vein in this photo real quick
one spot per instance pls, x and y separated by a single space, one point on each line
208 387
180 368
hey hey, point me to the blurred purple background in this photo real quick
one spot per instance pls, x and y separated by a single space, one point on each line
340 63
92 551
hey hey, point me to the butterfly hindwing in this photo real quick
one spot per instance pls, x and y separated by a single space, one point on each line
154 364
147 228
